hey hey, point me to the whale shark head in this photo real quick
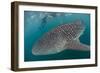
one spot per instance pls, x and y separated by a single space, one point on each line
73 30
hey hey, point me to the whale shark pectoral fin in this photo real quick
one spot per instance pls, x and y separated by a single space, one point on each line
77 45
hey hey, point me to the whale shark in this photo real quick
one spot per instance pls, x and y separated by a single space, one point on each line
63 37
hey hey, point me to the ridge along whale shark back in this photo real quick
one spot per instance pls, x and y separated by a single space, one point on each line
63 37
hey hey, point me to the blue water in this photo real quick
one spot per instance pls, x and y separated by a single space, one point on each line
36 23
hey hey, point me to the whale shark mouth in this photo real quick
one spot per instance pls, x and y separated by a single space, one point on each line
63 37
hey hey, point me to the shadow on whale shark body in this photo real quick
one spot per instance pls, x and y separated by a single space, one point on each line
61 38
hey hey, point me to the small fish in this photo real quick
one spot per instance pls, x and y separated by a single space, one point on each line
63 37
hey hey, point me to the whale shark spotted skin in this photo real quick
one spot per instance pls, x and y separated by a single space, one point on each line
61 38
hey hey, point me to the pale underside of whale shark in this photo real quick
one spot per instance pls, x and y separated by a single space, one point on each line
61 38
